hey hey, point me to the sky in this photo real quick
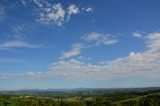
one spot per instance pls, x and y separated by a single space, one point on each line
79 44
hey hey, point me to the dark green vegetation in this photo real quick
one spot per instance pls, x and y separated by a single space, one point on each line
82 97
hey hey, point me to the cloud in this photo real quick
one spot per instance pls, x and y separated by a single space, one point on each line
10 60
16 44
95 38
23 2
18 32
72 9
100 39
141 64
39 3
48 12
2 12
27 75
56 13
89 9
75 50
137 34
144 64
73 69
17 39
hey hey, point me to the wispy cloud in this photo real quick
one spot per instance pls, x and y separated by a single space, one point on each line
2 12
75 50
89 9
19 32
144 64
16 39
10 60
100 38
27 75
137 34
23 2
88 41
16 44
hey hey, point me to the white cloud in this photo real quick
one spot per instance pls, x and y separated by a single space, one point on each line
56 13
137 34
89 9
142 64
133 54
75 50
100 39
38 3
51 13
72 9
145 64
95 38
17 39
23 2
19 32
73 69
10 60
27 75
16 44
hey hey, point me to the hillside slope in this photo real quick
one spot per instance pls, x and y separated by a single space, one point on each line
147 100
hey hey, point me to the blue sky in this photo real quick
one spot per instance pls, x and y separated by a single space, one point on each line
79 43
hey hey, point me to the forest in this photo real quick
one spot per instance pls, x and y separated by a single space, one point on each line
87 97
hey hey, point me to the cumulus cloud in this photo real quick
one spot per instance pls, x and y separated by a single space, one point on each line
48 12
72 9
56 13
100 39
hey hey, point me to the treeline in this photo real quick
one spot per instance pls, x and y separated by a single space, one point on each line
116 99
49 102
147 100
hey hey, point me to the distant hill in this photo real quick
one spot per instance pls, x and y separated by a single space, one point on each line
82 97
147 100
